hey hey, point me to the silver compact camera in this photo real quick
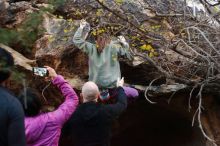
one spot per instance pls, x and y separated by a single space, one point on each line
40 71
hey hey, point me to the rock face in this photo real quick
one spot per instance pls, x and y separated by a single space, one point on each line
4 15
14 14
56 49
211 119
19 59
57 38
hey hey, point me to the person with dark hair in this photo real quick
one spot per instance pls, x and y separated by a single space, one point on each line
104 67
91 124
12 131
43 129
6 64
31 102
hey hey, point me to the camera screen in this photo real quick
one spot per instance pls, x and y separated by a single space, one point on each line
40 71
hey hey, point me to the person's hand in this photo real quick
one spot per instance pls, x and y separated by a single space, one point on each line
83 23
52 73
122 40
120 82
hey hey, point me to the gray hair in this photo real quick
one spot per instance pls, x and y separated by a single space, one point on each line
90 91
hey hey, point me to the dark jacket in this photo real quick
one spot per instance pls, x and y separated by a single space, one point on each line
90 125
11 120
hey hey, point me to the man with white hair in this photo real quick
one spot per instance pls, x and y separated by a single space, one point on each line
90 125
90 92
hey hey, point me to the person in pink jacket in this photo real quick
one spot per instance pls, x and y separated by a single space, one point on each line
43 129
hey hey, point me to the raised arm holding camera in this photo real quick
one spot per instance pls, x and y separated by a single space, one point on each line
43 129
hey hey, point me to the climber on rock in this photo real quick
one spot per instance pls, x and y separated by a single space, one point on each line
104 67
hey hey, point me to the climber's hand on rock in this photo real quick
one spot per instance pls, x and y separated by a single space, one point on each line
83 23
122 40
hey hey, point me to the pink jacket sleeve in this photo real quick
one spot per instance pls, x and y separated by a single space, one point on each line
65 110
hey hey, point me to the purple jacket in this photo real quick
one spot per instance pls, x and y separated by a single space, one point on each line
45 129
